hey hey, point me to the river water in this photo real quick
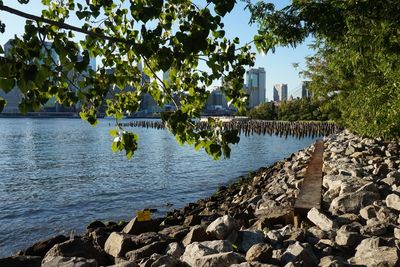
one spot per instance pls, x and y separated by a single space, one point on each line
58 175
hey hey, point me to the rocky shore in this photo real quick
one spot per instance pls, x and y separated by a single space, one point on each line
249 223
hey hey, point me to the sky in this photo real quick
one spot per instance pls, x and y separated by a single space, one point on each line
278 66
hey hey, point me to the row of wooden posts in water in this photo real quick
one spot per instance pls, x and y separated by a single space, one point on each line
260 127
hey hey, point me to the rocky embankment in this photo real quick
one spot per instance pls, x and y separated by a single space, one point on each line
249 222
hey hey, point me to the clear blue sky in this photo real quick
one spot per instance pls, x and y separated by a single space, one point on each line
278 66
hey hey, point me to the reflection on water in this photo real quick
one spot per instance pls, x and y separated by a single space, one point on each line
60 174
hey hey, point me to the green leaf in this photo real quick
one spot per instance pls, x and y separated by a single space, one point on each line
7 84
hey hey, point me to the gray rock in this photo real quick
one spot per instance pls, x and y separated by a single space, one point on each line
300 252
196 234
118 244
320 220
196 250
177 231
347 238
70 262
43 246
166 261
135 227
222 227
221 260
376 257
146 251
374 227
246 239
393 201
352 202
331 261
368 212
174 249
76 248
259 252
124 263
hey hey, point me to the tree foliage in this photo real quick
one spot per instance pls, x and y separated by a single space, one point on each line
163 35
304 109
357 58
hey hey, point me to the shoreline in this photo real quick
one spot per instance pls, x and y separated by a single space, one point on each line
247 223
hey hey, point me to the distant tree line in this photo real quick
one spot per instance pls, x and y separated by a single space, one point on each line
304 109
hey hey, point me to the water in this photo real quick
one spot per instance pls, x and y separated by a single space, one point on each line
58 175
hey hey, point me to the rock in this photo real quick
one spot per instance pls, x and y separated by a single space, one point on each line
352 202
167 261
146 251
246 239
300 252
175 249
192 220
317 233
76 248
320 220
259 252
197 249
393 201
275 237
99 237
42 247
134 227
368 212
347 238
347 218
118 244
145 239
376 257
21 261
222 227
374 227
381 170
95 224
196 234
70 262
177 232
386 215
331 261
221 260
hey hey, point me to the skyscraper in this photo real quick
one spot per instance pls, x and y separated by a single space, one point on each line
305 92
280 92
255 86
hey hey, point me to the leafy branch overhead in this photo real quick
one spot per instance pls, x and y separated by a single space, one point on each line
128 36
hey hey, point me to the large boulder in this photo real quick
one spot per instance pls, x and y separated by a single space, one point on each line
221 260
353 202
246 239
43 246
77 248
222 227
70 262
261 252
300 252
147 251
320 220
376 257
135 227
196 234
197 250
118 244
393 201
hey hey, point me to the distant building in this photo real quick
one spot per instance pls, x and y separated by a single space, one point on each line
217 104
305 92
256 86
280 92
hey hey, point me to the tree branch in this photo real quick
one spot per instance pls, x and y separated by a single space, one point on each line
60 24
